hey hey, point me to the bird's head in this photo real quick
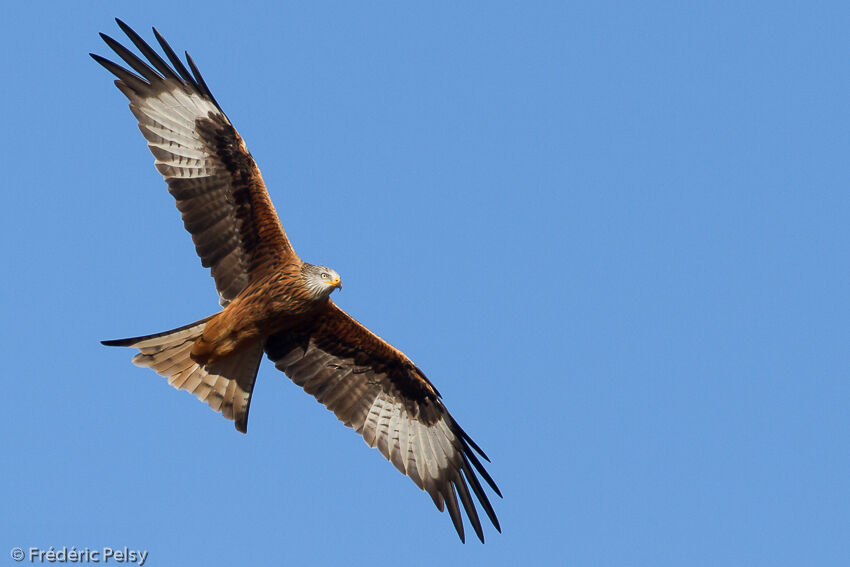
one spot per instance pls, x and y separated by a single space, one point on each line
321 280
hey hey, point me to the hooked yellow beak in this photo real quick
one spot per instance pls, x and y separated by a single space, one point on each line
336 283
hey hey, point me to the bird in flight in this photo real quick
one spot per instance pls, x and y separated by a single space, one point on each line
274 302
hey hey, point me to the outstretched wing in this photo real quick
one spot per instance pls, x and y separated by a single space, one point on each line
209 171
375 389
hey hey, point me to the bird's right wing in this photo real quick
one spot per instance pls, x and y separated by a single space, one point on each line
209 171
374 388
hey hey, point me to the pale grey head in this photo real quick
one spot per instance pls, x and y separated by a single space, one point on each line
320 280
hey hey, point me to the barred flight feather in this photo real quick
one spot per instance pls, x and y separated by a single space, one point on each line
368 384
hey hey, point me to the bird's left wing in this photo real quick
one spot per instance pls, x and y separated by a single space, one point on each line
209 171
375 389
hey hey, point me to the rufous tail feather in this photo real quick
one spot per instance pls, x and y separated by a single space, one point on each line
225 384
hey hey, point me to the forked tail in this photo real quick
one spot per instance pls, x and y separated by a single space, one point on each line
225 384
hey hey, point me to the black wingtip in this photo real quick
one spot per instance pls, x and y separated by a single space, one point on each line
151 55
117 342
482 471
103 61
469 506
472 443
199 79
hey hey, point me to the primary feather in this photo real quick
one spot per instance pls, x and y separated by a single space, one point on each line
274 302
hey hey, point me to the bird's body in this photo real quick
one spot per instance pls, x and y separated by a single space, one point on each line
274 302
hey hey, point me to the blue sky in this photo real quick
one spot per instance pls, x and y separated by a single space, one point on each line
614 236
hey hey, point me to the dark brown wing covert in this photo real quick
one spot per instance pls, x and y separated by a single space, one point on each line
375 389
209 171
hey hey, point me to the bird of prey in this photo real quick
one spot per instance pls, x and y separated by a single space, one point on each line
274 302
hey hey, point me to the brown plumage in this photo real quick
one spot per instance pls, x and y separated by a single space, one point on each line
273 301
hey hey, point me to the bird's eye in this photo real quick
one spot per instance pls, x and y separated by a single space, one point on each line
325 275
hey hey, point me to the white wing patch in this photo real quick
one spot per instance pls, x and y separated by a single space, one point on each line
168 122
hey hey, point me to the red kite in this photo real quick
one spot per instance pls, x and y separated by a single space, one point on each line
273 301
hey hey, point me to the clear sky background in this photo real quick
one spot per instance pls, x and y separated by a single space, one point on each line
615 237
